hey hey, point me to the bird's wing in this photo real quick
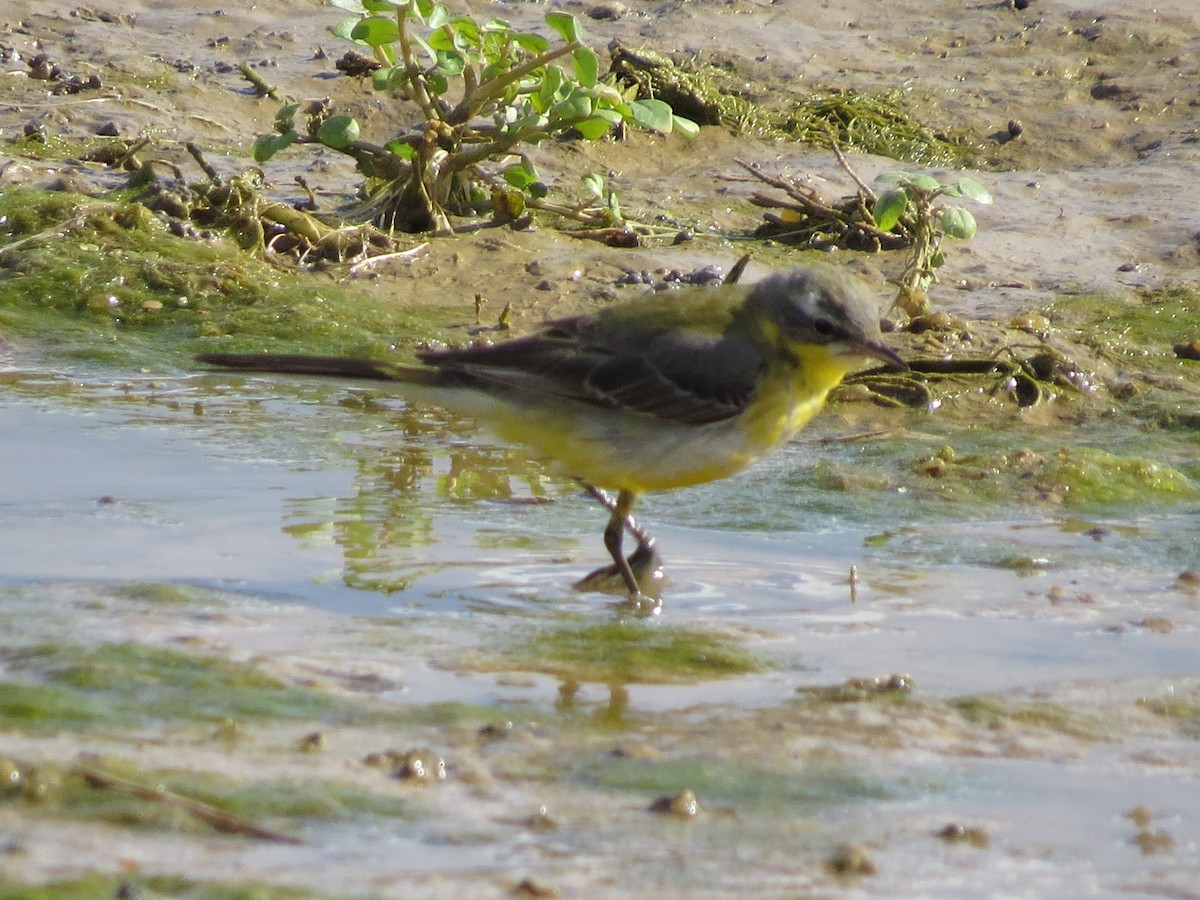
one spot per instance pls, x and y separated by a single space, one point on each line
675 374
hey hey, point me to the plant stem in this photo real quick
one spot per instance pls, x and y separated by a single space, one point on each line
415 78
474 101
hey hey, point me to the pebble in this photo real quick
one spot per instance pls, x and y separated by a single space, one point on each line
607 11
1188 349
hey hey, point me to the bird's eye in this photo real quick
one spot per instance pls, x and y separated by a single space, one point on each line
824 328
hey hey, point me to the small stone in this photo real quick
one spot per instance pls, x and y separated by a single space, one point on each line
1188 349
1188 580
607 11
938 321
683 805
850 859
1030 322
1152 841
313 742
540 821
527 887
421 765
1157 624
955 833
1141 816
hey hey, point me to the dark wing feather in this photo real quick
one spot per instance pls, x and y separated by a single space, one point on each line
677 375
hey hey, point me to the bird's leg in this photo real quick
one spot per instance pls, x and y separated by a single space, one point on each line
605 499
614 531
641 571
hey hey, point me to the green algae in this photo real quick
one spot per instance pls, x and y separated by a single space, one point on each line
106 280
737 783
1140 326
980 473
1082 478
1091 477
1184 711
631 652
116 685
879 123
59 146
994 712
72 793
876 123
160 593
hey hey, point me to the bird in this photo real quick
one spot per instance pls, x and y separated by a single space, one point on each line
649 394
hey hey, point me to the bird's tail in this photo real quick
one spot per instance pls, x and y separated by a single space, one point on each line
326 366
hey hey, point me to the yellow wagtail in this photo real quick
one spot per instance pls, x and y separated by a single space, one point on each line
655 393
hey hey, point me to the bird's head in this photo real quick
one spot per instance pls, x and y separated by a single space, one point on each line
820 313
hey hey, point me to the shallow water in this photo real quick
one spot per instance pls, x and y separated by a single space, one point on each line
419 534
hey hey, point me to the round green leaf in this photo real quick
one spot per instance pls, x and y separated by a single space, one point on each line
889 207
376 31
438 16
587 66
389 79
533 43
548 89
520 175
958 223
594 183
451 64
440 40
910 179
438 83
285 116
654 115
594 128
338 132
466 30
267 145
565 24
973 190
686 127
608 95
345 29
577 105
402 149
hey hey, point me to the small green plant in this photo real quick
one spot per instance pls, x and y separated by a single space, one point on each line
483 91
911 204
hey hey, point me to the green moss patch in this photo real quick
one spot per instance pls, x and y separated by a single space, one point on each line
631 652
737 783
106 280
995 712
1139 326
876 123
73 687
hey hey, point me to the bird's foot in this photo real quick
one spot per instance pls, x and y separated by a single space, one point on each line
646 567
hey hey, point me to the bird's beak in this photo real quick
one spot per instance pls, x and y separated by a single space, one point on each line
883 353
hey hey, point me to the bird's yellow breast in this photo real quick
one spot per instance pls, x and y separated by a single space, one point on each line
789 397
622 450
